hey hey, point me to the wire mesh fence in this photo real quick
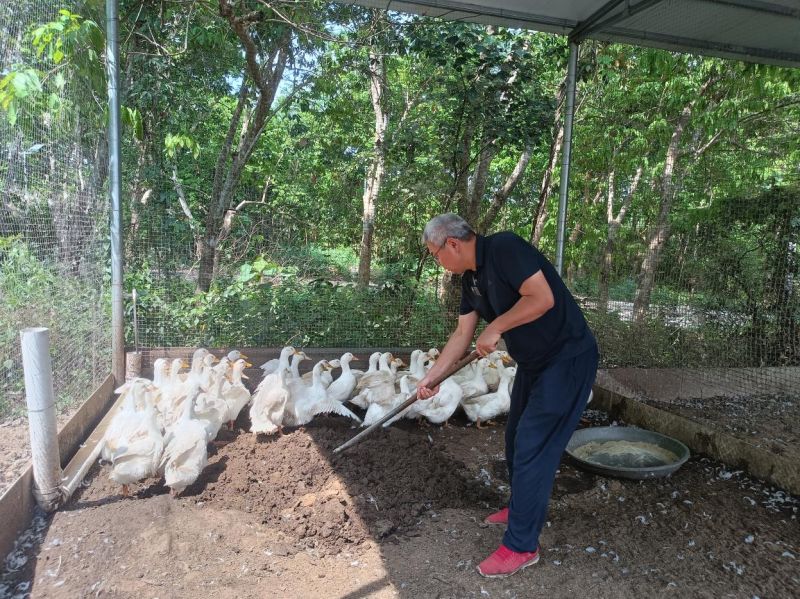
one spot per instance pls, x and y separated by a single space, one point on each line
717 300
53 215
275 288
699 276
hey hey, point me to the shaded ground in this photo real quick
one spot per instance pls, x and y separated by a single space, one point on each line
15 446
15 450
765 420
401 516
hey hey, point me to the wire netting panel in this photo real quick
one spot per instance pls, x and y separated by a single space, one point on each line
273 286
683 219
53 211
684 223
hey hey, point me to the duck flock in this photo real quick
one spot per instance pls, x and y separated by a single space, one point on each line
165 425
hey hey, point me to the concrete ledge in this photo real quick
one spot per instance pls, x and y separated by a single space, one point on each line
17 503
702 439
667 384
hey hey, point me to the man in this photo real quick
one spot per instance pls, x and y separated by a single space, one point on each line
517 291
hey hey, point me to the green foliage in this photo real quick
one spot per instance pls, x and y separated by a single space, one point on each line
73 36
656 344
66 51
15 90
175 142
35 293
268 305
132 119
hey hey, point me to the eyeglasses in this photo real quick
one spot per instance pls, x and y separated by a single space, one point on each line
436 253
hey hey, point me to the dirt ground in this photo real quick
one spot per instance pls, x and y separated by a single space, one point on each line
400 515
15 447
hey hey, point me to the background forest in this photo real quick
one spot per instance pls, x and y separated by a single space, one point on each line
281 158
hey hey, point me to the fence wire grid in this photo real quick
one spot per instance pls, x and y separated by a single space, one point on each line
54 213
716 300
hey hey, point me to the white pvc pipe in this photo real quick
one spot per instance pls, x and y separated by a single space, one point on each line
42 417
72 484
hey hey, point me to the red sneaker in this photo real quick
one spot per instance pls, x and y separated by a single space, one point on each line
505 562
500 517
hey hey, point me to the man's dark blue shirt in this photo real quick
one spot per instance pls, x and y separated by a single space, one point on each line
504 261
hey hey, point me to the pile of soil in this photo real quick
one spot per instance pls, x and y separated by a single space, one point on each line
765 421
295 484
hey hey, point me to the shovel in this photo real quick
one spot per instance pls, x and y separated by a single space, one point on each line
473 355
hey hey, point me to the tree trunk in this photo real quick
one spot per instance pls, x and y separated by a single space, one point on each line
781 276
264 69
660 233
476 187
501 195
372 187
669 189
461 167
546 186
137 196
614 225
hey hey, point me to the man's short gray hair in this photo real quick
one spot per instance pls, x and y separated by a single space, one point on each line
439 228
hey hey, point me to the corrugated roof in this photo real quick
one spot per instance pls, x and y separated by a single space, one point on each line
765 31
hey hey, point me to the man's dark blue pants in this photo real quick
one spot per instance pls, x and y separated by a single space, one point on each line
545 410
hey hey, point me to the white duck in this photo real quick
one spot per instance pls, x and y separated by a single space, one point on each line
236 396
127 420
269 392
196 367
439 408
419 369
376 386
500 359
424 363
342 388
477 385
283 363
306 402
413 360
207 369
269 404
160 372
271 366
139 454
172 394
483 408
373 366
326 376
294 369
185 451
376 411
234 355
210 409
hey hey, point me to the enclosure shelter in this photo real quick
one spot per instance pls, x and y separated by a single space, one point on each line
755 31
663 183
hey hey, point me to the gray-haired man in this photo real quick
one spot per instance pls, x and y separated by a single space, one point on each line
517 291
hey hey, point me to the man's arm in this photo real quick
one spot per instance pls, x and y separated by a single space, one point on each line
454 350
537 298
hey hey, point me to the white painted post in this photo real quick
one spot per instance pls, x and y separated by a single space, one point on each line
42 417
